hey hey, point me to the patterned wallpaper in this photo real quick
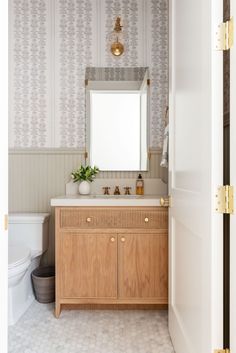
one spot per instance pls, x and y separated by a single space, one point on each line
29 83
51 44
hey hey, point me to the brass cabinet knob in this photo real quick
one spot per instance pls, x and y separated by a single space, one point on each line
123 239
89 219
112 239
146 220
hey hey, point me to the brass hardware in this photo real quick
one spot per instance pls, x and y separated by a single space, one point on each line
225 199
118 27
106 190
117 191
149 155
6 222
222 350
146 220
85 155
112 239
117 48
165 202
127 190
123 239
88 220
148 81
86 82
225 35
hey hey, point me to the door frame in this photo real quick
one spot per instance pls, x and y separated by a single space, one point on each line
232 324
4 176
226 181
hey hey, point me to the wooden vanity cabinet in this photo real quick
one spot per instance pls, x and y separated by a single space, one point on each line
143 266
115 255
88 265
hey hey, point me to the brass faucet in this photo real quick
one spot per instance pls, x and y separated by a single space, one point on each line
117 191
127 190
106 190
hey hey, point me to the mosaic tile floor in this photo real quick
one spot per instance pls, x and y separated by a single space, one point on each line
90 331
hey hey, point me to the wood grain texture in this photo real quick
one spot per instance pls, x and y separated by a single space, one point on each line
104 301
57 263
88 266
114 217
115 306
94 266
143 266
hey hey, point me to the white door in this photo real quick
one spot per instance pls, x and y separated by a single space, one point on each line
233 182
195 171
3 175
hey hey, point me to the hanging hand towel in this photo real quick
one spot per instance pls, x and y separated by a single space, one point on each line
164 159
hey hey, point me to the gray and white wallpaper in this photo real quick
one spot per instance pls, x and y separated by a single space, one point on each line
51 44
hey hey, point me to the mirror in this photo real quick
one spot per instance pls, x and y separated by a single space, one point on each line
117 118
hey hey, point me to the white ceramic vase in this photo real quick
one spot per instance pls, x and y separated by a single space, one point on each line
84 187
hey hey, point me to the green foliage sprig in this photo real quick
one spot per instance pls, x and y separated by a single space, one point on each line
84 173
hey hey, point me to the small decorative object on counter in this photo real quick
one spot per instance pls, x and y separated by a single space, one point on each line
85 175
140 185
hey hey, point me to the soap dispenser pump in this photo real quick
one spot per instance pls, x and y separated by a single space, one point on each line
140 185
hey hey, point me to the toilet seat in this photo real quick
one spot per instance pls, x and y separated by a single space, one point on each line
19 257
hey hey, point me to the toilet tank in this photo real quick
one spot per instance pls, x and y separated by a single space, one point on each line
30 230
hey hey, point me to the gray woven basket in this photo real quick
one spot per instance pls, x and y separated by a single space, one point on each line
43 279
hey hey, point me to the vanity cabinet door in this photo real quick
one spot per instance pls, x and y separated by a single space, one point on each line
88 265
143 266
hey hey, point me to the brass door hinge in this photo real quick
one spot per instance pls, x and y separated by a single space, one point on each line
85 155
148 81
222 350
225 199
225 35
86 82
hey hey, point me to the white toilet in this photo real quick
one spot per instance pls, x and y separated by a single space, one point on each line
28 240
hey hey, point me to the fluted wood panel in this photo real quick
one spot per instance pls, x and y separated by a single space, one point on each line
101 217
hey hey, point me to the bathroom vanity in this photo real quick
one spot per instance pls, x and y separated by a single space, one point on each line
110 250
113 250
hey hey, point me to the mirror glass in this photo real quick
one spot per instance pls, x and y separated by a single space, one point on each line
117 118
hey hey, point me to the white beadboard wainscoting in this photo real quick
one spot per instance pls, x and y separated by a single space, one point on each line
36 176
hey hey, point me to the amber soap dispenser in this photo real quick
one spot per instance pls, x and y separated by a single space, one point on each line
140 185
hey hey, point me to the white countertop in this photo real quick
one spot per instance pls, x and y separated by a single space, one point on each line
106 200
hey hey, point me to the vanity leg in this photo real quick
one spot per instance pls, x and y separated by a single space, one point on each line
57 310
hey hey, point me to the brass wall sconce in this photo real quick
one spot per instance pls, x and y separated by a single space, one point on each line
117 48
